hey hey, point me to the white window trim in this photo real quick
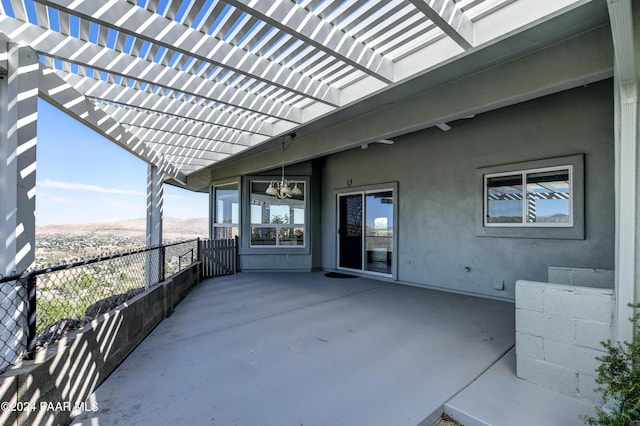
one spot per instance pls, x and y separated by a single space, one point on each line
525 223
214 208
278 226
576 232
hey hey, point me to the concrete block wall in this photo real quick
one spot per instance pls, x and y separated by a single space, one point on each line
46 389
584 277
559 328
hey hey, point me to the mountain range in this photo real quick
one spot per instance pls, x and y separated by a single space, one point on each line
172 228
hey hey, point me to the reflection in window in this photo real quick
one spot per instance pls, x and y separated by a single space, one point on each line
274 221
545 200
379 231
227 213
504 199
548 197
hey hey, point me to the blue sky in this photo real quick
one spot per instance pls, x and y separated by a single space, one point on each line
84 177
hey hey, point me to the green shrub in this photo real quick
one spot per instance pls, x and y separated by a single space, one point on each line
619 381
48 311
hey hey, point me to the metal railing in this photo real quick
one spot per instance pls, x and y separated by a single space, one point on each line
39 307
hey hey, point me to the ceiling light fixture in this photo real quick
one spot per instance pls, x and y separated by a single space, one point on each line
284 188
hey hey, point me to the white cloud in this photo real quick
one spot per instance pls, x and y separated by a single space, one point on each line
54 199
71 186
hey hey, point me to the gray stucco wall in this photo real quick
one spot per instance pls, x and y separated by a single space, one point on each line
438 190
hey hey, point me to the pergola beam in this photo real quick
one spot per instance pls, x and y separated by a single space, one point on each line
313 30
449 18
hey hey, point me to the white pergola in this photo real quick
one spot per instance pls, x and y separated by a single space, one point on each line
185 85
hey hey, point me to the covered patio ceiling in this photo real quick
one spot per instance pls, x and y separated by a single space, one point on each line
188 84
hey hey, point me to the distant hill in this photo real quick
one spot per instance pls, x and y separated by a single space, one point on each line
173 228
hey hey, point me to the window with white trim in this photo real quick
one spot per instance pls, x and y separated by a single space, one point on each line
276 222
529 198
226 214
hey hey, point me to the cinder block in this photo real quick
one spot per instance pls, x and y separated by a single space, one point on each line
167 299
578 358
529 295
571 302
587 389
529 346
597 306
587 277
590 333
538 324
548 375
560 301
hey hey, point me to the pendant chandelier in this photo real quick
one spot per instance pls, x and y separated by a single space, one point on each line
284 188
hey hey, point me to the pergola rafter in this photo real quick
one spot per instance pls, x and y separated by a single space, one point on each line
129 19
312 30
195 108
59 93
166 123
199 111
180 140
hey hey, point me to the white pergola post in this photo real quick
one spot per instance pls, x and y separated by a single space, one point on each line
155 181
626 170
18 131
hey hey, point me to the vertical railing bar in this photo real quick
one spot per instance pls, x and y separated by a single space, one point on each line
162 260
198 251
31 319
236 255
209 271
218 258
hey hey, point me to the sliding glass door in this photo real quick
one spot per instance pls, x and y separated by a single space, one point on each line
350 232
365 231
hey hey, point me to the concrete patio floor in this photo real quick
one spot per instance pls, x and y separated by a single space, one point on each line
304 349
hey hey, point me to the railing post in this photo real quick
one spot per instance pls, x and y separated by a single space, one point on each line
31 319
236 255
161 270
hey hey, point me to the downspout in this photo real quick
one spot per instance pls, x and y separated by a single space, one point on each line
626 110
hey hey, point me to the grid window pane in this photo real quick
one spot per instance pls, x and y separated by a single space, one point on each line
291 236
287 215
225 232
263 236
